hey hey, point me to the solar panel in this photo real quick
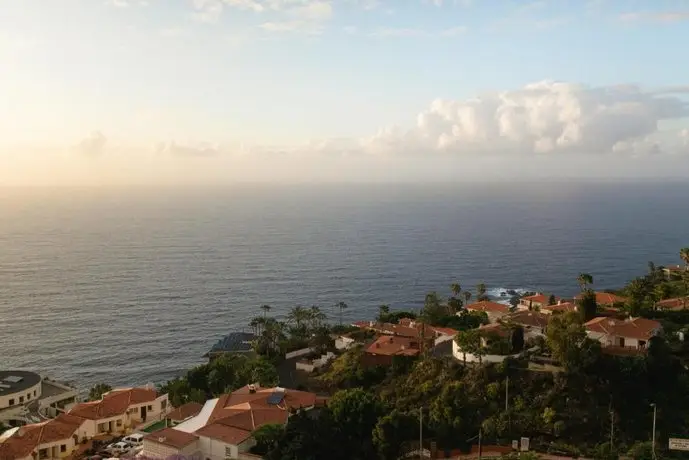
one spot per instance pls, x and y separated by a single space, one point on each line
13 379
276 398
2 385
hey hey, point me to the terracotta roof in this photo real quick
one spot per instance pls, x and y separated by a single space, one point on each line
562 307
529 318
488 306
675 268
115 402
605 298
185 411
637 328
406 328
226 434
29 437
678 303
444 330
171 437
495 328
539 298
391 345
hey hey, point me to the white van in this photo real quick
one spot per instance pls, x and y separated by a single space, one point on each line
136 439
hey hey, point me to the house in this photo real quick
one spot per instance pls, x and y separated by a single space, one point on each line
533 322
52 439
534 302
233 343
606 299
121 410
310 365
494 310
559 307
410 328
24 395
343 342
224 426
382 351
678 303
631 333
674 271
184 412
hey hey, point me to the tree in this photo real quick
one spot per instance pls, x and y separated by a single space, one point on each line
342 306
584 280
638 290
481 292
470 342
552 300
467 297
355 412
586 305
266 309
383 312
684 255
96 392
432 311
516 339
565 336
392 432
298 316
267 437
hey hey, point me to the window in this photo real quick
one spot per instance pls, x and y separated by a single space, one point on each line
63 448
28 396
43 453
21 399
11 402
34 393
163 404
119 422
228 452
150 408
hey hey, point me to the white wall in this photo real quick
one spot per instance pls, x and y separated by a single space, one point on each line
297 353
458 354
5 398
154 449
215 450
343 343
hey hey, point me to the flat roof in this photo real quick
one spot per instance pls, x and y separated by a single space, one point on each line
16 381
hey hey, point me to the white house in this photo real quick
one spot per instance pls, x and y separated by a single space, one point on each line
224 426
632 333
344 343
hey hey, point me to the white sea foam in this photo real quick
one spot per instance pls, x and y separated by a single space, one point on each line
503 294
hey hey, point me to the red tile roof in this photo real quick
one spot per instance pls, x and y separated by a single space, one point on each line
226 434
495 328
675 268
489 307
605 298
391 346
29 437
529 318
563 307
185 411
678 303
539 298
113 403
636 328
171 437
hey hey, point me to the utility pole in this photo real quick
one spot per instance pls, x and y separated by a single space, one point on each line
480 436
507 393
612 427
653 438
420 432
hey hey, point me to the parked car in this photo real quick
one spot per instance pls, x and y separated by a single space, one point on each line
119 448
135 440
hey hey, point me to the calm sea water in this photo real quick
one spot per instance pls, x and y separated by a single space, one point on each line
133 286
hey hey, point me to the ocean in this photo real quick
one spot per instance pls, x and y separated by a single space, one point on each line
130 286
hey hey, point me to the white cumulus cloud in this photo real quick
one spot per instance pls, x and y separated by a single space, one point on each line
541 118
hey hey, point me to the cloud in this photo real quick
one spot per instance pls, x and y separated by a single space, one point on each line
541 118
203 149
93 145
666 17
307 18
127 3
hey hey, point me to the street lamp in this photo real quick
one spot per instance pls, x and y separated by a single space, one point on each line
653 437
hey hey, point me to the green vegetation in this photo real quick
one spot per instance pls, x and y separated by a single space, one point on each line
97 391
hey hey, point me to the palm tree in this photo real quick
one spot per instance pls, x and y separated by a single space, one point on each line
258 324
684 255
342 306
584 279
467 297
266 309
316 317
298 315
456 289
481 292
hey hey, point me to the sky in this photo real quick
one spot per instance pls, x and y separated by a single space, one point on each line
99 92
